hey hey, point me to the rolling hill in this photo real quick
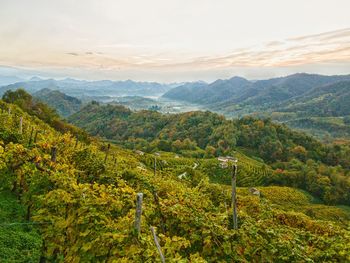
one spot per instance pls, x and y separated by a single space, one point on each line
77 202
324 101
322 111
205 134
293 100
247 96
64 105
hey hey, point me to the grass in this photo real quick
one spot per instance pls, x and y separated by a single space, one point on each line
287 198
18 242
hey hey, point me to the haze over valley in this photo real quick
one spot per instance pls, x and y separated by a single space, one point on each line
174 131
316 104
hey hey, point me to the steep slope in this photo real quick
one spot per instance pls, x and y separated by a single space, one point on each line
238 95
202 93
83 203
268 94
322 111
328 101
295 100
293 155
222 90
65 105
39 109
186 92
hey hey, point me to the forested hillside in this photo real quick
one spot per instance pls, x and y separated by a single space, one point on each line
294 156
326 101
41 110
80 196
65 105
241 95
301 101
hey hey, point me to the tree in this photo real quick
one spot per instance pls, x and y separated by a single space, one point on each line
300 152
19 97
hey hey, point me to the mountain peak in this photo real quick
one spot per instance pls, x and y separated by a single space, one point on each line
237 78
35 78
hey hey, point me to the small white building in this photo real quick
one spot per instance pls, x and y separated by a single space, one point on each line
183 175
225 160
139 152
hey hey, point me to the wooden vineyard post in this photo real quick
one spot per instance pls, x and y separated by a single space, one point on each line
53 154
156 241
162 219
138 213
20 125
76 142
30 137
35 136
115 161
9 111
234 197
155 165
108 147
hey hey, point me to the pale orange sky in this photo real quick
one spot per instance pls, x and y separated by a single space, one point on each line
175 40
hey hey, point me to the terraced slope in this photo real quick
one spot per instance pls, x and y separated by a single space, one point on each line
84 202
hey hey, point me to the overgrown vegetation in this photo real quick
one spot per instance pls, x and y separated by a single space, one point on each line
293 155
39 109
19 240
303 101
84 201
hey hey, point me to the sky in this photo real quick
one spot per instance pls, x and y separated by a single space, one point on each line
174 40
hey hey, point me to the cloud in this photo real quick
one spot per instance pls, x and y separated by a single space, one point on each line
324 36
324 49
331 46
72 53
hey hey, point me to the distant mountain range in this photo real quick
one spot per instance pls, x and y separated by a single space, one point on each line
208 94
238 96
314 103
84 88
331 100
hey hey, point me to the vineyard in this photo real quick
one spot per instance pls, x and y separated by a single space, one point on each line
77 202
